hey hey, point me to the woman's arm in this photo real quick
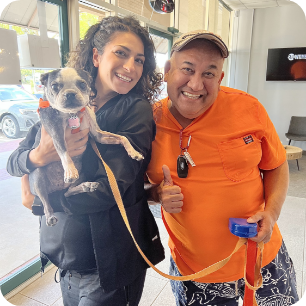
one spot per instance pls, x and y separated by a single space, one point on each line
27 197
29 156
17 162
45 153
138 126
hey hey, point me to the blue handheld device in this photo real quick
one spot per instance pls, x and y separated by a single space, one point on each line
241 228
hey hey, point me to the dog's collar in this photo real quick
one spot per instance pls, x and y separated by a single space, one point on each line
43 104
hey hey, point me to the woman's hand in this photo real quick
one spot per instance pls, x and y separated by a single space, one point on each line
45 153
27 197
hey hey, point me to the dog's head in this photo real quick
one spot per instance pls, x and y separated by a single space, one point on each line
67 89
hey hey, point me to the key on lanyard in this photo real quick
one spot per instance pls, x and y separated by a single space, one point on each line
182 166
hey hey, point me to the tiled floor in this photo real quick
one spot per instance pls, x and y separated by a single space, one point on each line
157 292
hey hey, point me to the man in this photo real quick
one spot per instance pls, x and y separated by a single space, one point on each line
239 171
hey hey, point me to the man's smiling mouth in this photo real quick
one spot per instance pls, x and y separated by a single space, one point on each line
191 96
123 77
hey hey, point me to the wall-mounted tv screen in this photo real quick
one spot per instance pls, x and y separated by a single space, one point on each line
286 64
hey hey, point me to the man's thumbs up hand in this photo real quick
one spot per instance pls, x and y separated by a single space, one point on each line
167 176
170 195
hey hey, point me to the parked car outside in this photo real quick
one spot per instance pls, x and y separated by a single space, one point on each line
18 110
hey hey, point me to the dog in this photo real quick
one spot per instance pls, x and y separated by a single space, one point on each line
66 96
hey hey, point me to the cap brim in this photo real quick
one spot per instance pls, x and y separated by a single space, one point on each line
209 36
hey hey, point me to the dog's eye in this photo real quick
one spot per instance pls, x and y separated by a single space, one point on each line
54 87
83 85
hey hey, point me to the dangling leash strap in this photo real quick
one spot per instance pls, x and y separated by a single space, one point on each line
204 272
252 276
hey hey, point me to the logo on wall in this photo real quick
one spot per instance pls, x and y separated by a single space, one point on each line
292 57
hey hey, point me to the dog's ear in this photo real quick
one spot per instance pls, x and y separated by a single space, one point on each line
85 76
44 78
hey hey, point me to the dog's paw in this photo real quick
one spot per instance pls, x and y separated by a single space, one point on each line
51 221
71 175
90 186
83 187
135 155
138 157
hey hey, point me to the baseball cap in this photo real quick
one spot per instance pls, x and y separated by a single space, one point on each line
188 37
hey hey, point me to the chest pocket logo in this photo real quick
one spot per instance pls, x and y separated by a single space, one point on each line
240 157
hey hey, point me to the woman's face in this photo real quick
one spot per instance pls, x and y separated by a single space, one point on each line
121 64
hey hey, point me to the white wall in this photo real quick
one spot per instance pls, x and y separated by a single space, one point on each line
241 49
279 27
254 32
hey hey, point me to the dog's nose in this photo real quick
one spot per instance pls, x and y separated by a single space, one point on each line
70 95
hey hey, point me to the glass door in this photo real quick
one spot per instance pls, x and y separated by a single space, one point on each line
33 40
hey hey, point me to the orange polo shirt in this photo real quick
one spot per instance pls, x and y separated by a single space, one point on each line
230 142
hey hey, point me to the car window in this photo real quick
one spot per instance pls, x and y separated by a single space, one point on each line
9 94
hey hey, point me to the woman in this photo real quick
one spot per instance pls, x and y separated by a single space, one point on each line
99 264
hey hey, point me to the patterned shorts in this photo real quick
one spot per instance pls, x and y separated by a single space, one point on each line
279 286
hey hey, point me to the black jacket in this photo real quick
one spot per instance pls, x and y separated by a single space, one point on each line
95 215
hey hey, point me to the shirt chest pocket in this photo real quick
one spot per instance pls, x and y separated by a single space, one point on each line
240 157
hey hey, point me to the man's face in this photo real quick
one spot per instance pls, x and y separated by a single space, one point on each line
193 77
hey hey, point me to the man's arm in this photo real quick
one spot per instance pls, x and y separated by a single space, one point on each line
276 183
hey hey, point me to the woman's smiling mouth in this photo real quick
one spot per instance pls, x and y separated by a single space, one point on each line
123 77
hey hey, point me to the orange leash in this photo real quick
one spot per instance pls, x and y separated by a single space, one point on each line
249 294
200 274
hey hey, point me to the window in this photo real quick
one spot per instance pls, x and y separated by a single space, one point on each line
89 17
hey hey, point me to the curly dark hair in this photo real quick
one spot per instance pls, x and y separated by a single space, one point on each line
99 35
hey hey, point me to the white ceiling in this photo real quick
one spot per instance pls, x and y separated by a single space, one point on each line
253 4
